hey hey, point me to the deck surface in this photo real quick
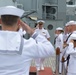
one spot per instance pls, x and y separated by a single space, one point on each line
46 71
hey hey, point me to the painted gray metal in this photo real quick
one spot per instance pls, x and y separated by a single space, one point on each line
37 6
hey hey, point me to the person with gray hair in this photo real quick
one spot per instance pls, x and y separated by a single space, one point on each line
16 53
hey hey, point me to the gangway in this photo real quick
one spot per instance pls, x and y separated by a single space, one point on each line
49 67
47 71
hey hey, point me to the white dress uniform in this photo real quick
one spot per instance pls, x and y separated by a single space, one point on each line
39 61
43 32
68 37
19 64
16 52
72 62
65 39
59 43
68 24
66 54
67 49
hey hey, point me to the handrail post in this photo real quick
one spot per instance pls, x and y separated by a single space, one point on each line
63 66
57 60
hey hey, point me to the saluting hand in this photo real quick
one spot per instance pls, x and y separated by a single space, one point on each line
26 27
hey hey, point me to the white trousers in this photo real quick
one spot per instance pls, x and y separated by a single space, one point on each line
71 73
60 63
39 62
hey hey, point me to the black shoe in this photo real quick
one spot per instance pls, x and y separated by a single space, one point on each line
59 73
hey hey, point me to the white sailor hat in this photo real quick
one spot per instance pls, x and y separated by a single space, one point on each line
73 37
70 23
59 28
11 10
40 21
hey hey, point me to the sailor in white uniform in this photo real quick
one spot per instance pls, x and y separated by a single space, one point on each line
72 30
66 32
40 30
59 44
16 52
71 25
72 51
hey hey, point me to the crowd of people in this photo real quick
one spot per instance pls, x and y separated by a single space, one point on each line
65 39
16 52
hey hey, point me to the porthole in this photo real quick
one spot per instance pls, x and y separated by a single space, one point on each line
50 27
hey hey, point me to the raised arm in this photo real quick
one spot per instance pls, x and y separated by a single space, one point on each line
40 46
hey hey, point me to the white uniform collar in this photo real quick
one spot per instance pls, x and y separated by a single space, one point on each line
10 41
